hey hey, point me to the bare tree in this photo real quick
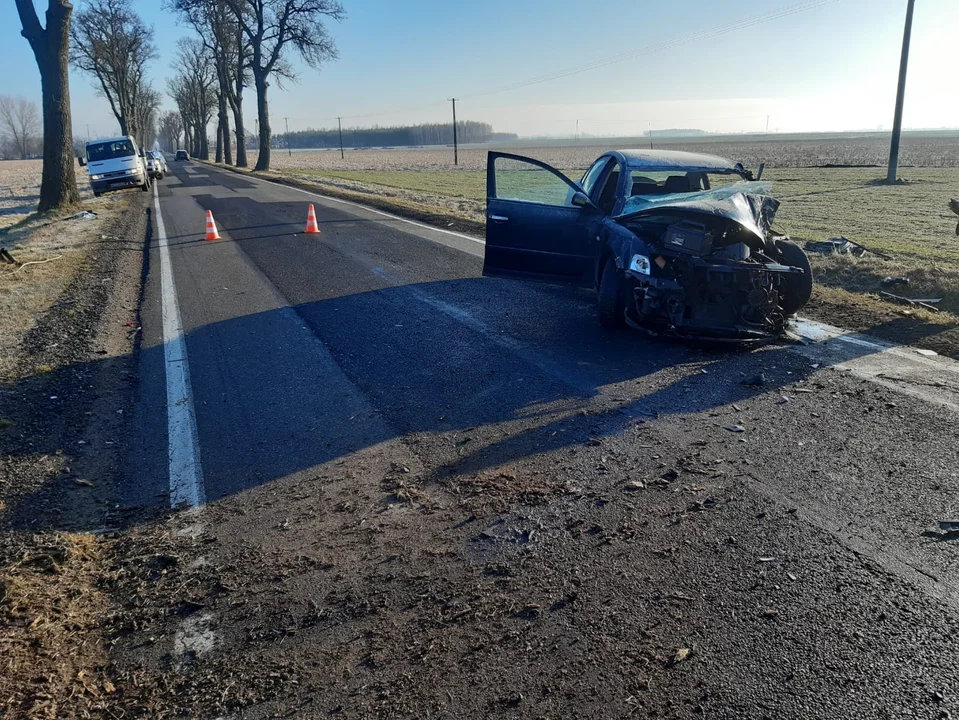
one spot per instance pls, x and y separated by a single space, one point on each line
272 27
20 122
51 47
194 91
146 112
113 44
220 32
169 128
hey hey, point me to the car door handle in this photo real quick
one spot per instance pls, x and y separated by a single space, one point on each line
498 218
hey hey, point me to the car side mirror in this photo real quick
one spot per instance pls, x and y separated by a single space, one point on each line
581 199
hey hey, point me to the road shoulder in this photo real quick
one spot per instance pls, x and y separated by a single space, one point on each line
65 402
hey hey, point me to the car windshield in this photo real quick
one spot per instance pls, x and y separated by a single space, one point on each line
110 150
640 202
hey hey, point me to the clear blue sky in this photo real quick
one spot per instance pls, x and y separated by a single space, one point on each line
829 68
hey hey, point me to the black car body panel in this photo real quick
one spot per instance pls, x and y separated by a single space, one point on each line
690 259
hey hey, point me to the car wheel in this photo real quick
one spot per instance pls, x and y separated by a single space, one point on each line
159 176
796 290
611 298
97 193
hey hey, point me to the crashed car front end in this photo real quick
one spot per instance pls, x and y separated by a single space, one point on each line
707 265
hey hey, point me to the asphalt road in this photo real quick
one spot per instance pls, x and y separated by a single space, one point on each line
785 534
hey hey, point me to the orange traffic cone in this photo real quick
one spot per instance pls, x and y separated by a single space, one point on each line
211 233
311 226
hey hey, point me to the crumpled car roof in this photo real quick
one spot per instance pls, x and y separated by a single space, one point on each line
677 160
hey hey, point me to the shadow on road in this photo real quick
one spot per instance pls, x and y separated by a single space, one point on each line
442 361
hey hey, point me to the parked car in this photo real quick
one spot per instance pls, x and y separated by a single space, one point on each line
156 164
181 155
672 242
116 163
153 167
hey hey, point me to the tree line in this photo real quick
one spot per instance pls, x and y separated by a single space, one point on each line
467 131
239 43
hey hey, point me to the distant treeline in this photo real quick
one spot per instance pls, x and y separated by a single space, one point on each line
467 131
677 132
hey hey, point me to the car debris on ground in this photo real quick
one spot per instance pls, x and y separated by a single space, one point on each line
925 303
841 246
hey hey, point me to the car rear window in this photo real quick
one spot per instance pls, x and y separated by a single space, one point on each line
110 150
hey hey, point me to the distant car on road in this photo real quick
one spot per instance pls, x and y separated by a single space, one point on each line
181 155
116 163
160 167
672 242
156 165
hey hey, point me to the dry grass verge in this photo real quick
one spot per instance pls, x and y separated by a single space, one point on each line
52 604
50 249
53 658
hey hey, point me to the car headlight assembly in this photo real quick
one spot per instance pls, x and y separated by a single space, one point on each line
96 177
639 264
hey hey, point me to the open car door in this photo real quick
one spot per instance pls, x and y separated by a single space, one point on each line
540 225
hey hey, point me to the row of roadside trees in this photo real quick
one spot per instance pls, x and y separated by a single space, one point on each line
238 43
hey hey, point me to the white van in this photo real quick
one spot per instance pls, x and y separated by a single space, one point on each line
116 163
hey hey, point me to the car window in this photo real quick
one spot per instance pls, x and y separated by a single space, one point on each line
523 181
110 150
607 198
593 174
665 182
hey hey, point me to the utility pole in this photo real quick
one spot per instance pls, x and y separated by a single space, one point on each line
900 97
339 125
577 129
288 150
767 124
456 156
88 132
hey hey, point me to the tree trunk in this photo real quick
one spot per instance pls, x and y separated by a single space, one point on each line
204 142
263 112
187 144
236 102
225 124
237 108
240 135
195 150
51 48
219 140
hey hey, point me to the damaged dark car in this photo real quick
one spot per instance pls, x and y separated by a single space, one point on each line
673 243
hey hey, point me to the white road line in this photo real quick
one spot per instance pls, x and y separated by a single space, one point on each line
186 474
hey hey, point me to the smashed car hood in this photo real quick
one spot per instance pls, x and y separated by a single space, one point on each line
746 203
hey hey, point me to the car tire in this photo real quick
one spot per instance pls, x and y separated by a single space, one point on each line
145 187
159 176
611 297
97 193
796 290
